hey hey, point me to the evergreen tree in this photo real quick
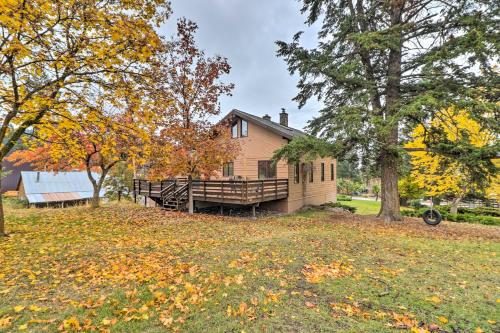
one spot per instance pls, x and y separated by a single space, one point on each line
382 67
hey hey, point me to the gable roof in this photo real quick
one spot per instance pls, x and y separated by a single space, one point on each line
12 175
285 131
42 186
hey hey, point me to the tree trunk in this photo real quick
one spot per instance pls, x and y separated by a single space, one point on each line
2 217
95 196
454 205
2 222
389 209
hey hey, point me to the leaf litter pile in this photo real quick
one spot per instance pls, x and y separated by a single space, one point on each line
124 268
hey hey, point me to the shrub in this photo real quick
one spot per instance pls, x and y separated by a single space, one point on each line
343 197
415 204
484 211
469 218
339 205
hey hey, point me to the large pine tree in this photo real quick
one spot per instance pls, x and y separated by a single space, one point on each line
383 66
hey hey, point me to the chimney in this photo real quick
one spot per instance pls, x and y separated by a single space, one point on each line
283 117
267 117
38 176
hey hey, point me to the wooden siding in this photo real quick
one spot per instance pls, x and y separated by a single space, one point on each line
260 145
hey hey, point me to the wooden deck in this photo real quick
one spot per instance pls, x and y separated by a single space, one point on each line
220 191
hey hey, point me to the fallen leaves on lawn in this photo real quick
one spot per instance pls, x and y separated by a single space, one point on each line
316 272
89 270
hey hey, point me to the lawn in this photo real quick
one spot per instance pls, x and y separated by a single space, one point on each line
125 268
364 207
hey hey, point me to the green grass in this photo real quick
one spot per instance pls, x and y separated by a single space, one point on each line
364 207
126 268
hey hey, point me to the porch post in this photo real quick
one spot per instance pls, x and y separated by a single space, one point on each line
190 195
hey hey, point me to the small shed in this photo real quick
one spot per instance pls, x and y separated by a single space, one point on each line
56 188
12 175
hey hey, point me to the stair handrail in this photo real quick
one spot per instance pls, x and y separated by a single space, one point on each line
168 191
182 191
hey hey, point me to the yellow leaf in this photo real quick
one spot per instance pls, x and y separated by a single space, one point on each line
239 279
479 330
23 327
491 322
442 319
19 308
434 299
35 308
5 321
71 323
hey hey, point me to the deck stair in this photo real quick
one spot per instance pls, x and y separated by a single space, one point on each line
175 198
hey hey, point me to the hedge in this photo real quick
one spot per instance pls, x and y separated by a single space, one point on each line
343 197
470 218
339 205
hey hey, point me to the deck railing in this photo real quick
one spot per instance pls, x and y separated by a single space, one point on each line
223 191
234 191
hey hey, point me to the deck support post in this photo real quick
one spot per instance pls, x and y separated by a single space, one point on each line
145 201
190 196
253 211
221 210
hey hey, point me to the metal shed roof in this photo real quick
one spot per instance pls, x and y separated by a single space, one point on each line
43 187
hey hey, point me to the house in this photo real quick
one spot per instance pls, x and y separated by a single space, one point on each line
55 189
252 178
311 183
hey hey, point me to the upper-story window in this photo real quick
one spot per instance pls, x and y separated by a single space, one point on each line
244 128
234 130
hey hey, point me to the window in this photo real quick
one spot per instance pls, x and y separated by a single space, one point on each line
332 172
311 172
244 128
228 169
296 173
234 131
266 169
322 172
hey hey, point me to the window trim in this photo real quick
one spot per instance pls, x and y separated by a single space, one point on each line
228 169
322 171
311 172
241 128
233 126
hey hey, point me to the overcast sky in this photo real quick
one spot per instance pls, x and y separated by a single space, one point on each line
245 32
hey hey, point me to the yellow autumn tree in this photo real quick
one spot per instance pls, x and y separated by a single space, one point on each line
441 175
52 53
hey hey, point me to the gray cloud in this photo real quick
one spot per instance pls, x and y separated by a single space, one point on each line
245 32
